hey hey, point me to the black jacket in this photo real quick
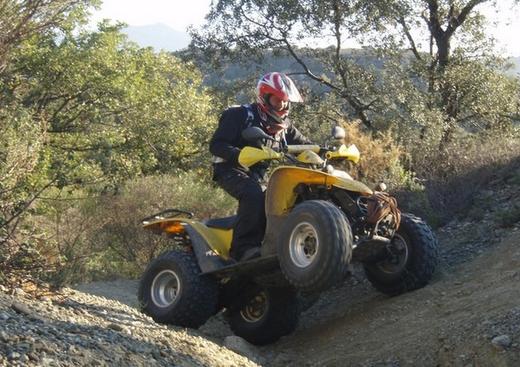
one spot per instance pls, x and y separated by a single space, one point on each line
227 140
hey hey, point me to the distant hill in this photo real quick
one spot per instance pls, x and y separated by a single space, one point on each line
162 37
159 36
515 70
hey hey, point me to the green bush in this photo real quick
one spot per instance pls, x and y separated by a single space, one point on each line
128 246
381 159
508 217
453 176
86 237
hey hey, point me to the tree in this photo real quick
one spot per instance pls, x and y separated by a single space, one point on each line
113 110
245 29
22 135
21 20
392 86
90 110
453 75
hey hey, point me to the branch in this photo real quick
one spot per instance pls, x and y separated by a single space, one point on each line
433 21
306 69
29 202
455 22
408 35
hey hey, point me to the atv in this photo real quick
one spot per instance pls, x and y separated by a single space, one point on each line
319 221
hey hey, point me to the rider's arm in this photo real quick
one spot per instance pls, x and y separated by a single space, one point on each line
294 136
224 142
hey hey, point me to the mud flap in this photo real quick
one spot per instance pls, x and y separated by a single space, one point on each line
208 260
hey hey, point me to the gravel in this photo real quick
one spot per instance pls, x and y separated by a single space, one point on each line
75 328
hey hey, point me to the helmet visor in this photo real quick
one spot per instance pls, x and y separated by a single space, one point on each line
290 90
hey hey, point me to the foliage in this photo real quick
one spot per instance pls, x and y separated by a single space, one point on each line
21 20
454 177
81 112
113 110
98 133
102 237
381 159
508 217
428 95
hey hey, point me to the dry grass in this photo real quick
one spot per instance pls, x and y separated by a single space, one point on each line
102 238
380 159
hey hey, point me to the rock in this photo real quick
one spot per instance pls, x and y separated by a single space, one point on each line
19 292
13 355
242 347
4 316
38 318
21 308
501 342
116 327
4 336
47 361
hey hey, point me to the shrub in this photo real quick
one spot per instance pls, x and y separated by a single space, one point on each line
467 165
123 247
508 217
87 238
381 159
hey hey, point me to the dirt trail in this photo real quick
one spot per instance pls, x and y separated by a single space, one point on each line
469 316
451 322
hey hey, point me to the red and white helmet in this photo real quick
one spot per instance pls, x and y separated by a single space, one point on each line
281 86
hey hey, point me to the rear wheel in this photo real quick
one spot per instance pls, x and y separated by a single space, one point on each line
265 314
411 259
173 291
315 246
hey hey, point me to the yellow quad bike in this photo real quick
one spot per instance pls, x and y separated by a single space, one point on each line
319 220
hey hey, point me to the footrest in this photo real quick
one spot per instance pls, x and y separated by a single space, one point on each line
252 267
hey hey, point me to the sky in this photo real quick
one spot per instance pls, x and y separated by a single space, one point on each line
179 14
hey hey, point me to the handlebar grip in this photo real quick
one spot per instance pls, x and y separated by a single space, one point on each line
303 147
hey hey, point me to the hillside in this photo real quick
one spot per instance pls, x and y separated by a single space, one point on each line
468 316
159 36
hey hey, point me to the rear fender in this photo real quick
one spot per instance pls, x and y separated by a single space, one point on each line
211 245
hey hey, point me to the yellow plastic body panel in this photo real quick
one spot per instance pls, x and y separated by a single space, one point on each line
308 156
280 195
249 155
219 240
351 153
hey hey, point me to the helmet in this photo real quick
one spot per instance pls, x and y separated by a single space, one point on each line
281 86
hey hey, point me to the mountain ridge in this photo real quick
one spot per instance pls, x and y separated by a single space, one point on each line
159 36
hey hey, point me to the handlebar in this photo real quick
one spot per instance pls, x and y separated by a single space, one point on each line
294 149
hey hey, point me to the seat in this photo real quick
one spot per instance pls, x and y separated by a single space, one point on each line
221 223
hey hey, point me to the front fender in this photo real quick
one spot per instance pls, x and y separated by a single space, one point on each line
280 195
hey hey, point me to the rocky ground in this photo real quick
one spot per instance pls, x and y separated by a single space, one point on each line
80 329
468 316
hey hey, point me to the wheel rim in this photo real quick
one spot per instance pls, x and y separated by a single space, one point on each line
256 308
165 288
303 244
398 256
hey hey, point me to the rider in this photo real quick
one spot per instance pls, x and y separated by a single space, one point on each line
275 91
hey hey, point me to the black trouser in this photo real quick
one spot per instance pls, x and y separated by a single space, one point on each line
250 226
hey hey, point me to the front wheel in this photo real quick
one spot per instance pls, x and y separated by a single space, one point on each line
315 246
172 290
265 314
411 259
